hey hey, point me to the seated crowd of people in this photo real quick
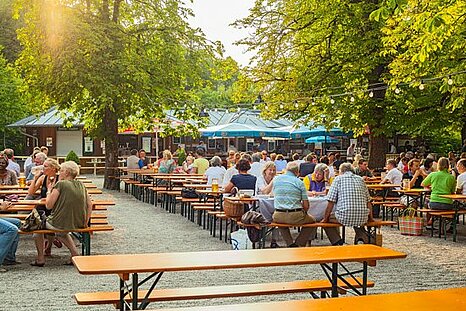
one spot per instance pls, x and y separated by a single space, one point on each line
67 204
298 180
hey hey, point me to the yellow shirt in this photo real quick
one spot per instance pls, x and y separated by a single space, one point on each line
201 164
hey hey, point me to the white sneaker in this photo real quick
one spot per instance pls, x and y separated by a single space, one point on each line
3 270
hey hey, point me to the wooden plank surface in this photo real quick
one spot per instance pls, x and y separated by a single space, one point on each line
438 300
138 263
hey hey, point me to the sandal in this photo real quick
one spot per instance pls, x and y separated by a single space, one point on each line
37 264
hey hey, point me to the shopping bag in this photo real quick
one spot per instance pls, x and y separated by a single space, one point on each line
409 223
240 240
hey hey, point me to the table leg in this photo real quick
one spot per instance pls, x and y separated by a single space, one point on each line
364 278
334 279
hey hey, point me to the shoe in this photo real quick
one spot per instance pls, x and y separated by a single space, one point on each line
57 243
37 264
430 227
7 262
274 245
293 245
3 270
339 242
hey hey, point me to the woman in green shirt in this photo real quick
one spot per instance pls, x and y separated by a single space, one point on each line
440 183
71 209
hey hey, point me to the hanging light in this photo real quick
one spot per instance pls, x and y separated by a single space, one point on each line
371 94
332 101
239 109
215 109
296 104
313 102
397 90
254 107
352 99
281 106
450 80
422 86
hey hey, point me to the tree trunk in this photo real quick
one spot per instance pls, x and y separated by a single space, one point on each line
377 150
110 123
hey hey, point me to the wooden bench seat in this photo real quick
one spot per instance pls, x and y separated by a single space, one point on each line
219 291
83 235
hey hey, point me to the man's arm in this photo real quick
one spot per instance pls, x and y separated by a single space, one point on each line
305 205
328 211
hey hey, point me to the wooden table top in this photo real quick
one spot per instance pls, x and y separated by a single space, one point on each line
196 186
382 186
413 191
209 191
187 261
459 197
442 299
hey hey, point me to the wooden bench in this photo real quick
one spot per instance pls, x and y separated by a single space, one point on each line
229 291
129 268
440 299
264 230
83 235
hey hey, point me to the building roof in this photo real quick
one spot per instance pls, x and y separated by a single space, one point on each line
51 118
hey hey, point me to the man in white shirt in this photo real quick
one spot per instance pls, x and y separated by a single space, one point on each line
394 176
461 180
133 160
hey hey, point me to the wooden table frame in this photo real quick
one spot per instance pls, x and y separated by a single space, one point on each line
458 203
330 258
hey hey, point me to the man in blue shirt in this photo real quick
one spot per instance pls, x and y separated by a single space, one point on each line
291 205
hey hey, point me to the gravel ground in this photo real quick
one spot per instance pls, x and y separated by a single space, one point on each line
142 228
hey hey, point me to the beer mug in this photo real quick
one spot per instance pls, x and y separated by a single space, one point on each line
214 185
22 180
406 184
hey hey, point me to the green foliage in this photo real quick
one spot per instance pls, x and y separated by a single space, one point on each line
72 156
13 107
8 39
309 50
131 61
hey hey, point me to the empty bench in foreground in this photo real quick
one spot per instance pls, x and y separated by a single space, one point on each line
129 269
371 226
229 291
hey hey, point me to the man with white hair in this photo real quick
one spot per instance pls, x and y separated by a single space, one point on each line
291 205
350 198
38 160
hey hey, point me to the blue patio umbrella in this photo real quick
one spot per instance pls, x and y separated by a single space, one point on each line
242 130
321 139
307 131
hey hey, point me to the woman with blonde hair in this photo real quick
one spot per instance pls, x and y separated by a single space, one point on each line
188 164
264 181
167 165
70 207
42 181
440 182
356 160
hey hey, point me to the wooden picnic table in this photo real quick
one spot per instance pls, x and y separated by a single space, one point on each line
458 199
196 186
414 193
128 266
382 186
440 299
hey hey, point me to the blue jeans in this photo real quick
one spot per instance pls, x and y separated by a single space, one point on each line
9 238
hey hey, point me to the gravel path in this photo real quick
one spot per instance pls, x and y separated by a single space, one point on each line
142 228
